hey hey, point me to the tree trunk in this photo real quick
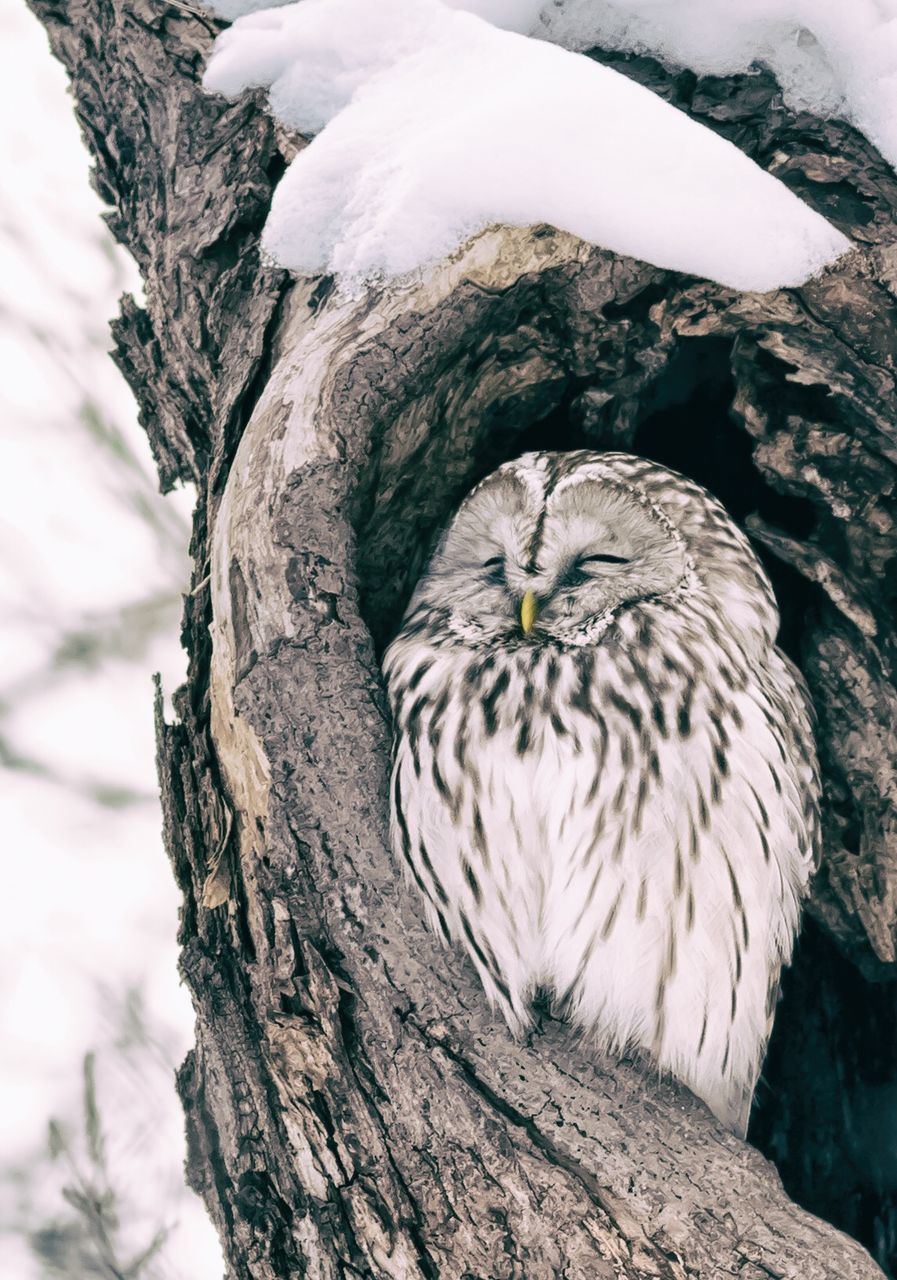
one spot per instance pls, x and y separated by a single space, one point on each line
353 1108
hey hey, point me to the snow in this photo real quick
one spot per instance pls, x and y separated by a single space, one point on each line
513 15
433 124
831 57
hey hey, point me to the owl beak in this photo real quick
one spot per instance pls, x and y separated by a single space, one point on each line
529 611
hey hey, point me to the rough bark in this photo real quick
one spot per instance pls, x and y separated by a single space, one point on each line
352 1106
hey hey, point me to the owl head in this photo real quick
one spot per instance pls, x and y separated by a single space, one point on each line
552 545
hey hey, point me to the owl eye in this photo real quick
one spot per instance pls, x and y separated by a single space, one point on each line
602 559
494 569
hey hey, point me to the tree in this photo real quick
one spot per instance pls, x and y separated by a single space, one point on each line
352 1106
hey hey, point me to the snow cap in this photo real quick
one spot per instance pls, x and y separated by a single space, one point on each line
433 125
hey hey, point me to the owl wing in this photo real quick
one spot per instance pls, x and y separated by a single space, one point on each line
687 859
762 836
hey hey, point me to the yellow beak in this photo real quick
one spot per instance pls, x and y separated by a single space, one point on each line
529 611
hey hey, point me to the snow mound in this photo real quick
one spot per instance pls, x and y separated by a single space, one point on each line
831 57
433 124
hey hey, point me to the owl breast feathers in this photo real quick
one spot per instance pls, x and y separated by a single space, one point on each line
605 783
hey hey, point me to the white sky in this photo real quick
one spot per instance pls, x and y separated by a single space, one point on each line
89 908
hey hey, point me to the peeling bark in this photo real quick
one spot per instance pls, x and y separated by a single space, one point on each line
352 1106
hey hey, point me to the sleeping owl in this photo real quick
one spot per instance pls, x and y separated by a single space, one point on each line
605 784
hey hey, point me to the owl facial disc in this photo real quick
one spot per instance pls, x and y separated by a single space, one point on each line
568 552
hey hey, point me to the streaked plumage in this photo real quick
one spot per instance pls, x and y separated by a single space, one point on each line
608 788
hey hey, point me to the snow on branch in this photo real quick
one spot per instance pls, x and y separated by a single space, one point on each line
831 57
432 125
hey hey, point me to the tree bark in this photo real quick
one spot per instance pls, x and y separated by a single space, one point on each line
353 1108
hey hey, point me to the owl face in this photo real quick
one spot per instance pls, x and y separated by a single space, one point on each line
531 557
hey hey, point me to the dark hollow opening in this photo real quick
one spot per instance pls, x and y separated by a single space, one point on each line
687 425
832 1066
825 1110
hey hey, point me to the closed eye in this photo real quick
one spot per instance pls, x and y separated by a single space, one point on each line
494 570
602 559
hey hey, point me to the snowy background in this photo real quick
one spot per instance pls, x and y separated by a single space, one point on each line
92 564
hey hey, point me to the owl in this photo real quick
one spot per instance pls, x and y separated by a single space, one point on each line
604 784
